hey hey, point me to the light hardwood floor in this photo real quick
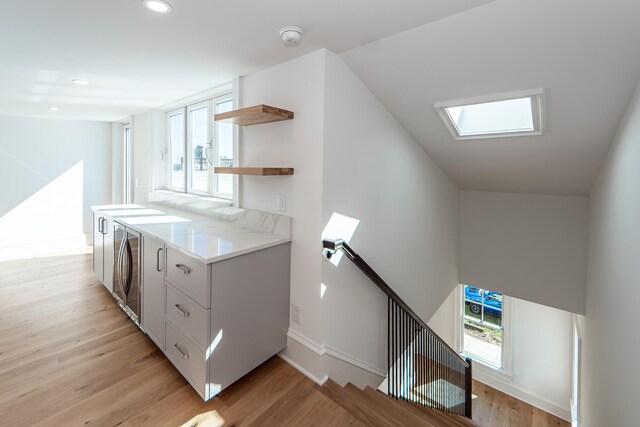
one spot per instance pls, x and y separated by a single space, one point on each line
70 357
494 408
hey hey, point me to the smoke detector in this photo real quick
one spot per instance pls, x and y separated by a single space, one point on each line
291 36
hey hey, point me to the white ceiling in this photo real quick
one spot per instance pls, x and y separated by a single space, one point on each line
585 54
135 59
410 53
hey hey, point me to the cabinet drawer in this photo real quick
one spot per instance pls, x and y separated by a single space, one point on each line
186 356
188 316
189 275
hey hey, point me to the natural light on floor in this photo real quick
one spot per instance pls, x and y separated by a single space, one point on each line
206 419
454 396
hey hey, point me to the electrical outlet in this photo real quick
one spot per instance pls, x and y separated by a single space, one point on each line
137 182
282 202
295 313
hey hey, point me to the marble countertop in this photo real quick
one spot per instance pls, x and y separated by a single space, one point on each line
211 236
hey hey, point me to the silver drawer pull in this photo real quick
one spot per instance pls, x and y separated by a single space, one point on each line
182 311
184 355
184 268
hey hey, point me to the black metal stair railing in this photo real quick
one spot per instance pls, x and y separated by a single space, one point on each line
422 368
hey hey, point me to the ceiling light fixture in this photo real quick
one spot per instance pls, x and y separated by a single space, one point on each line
157 6
291 36
79 82
54 109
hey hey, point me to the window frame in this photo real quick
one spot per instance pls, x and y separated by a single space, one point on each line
537 101
168 115
189 147
216 146
507 331
127 181
211 103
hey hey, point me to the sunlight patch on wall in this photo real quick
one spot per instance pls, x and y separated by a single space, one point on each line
50 219
340 227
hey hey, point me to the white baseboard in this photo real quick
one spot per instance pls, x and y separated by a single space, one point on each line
319 381
366 374
322 349
305 341
332 351
305 360
480 374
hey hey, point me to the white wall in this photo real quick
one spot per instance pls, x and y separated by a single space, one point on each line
442 321
297 85
374 171
541 353
56 168
532 247
352 157
610 331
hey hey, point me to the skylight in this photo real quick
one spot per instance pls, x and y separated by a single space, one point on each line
495 116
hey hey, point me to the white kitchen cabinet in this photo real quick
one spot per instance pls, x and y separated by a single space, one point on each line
249 314
189 275
103 256
153 292
187 315
214 299
247 321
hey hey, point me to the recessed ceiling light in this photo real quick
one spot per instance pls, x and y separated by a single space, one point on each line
157 6
80 82
54 109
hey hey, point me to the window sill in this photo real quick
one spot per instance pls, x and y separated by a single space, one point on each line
489 369
187 201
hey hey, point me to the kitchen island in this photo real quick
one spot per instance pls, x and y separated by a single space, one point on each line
214 284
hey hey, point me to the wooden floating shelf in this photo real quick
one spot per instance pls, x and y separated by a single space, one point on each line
256 171
254 115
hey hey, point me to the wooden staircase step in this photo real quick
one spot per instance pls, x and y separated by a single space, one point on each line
375 408
424 419
305 406
354 405
390 409
440 418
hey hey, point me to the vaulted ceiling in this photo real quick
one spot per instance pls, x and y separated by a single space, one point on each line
584 54
410 53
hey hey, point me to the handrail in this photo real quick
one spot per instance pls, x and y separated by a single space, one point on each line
334 245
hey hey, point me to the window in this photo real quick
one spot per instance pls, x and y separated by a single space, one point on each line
513 114
575 383
198 136
224 155
197 144
126 163
177 150
483 325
